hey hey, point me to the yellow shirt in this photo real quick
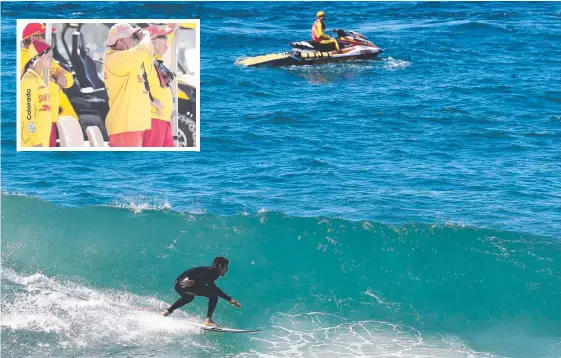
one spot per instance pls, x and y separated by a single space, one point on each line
164 95
54 89
129 102
35 109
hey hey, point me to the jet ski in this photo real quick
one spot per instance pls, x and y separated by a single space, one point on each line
353 46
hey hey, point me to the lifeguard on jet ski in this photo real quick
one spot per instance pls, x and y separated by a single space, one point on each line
347 46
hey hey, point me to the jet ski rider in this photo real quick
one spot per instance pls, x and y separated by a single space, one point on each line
318 36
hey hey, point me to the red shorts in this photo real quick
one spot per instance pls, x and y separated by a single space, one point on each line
159 135
126 139
52 140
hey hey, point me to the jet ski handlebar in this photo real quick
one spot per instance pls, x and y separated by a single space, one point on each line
343 33
340 32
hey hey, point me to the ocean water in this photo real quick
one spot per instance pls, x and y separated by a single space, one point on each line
406 206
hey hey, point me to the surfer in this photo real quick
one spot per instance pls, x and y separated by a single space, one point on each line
199 281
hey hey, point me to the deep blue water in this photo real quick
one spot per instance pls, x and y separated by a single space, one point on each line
456 126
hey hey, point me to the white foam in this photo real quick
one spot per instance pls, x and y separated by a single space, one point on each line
15 193
324 335
369 293
366 225
392 64
85 317
138 205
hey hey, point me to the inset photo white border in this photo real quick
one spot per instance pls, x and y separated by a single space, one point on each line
193 74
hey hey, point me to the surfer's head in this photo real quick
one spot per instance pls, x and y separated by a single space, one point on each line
220 264
320 15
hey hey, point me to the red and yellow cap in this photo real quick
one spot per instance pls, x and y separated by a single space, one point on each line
34 28
158 32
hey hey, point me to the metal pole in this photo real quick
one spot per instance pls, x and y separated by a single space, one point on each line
48 40
175 92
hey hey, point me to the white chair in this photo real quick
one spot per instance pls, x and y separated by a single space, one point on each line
70 132
95 138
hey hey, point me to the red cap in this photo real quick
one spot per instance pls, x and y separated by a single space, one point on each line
157 31
38 47
34 28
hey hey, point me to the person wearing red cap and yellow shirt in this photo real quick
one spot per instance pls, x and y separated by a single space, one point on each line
319 36
35 99
159 78
60 78
129 100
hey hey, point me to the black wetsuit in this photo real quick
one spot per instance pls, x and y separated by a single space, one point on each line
204 277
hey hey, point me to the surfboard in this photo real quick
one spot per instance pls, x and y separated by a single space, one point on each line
191 323
222 329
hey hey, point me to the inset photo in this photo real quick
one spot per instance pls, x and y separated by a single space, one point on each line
108 85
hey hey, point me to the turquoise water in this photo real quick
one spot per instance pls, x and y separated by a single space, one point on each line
77 281
406 206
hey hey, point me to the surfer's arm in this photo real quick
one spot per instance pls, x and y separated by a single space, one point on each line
219 292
